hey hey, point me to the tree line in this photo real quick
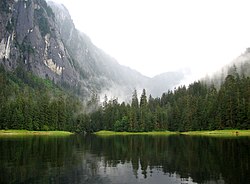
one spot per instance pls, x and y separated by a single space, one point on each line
197 107
28 102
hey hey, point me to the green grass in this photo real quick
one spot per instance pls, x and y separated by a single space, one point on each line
215 133
26 132
219 133
111 133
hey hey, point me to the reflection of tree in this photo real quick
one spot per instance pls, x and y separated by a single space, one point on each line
76 159
46 160
203 159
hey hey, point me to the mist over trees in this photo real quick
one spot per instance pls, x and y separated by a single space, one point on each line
200 106
76 68
241 65
196 107
27 102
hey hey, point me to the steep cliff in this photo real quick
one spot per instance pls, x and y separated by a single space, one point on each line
105 71
42 38
94 65
32 36
29 37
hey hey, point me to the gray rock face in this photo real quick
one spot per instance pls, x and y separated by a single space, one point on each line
43 39
98 68
30 37
94 65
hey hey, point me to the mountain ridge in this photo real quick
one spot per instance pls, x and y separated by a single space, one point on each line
41 37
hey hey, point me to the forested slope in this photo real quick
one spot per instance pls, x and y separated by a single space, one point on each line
52 81
197 107
28 102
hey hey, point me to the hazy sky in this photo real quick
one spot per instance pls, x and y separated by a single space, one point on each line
155 36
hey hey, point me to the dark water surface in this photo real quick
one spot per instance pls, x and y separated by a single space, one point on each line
124 159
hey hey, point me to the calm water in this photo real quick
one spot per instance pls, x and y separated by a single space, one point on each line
124 159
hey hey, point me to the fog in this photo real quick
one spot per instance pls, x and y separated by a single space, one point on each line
156 36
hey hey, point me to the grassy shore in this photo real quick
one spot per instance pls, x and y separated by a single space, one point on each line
110 133
26 132
218 133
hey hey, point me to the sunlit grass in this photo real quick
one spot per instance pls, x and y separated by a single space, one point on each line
225 133
215 133
110 133
26 132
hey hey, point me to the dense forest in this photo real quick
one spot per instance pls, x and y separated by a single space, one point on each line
27 102
196 107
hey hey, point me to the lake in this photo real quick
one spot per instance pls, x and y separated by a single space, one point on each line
175 159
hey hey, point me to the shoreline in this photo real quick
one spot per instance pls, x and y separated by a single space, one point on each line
213 133
219 133
35 133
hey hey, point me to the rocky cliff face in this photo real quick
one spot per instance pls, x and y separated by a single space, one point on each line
32 36
29 37
104 70
96 66
42 38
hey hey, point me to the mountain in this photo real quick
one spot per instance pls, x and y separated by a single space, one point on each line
239 66
123 79
30 38
47 65
95 66
42 38
157 85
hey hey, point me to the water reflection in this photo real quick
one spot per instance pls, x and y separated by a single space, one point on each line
124 159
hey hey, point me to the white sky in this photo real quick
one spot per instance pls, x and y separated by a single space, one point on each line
156 36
